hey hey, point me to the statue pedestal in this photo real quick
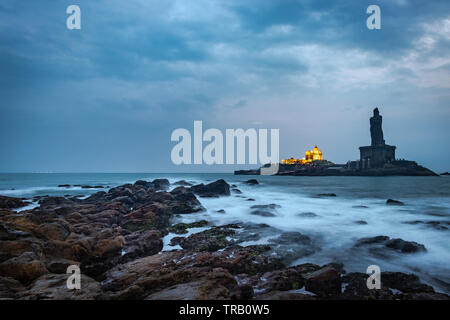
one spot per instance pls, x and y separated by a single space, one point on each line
376 156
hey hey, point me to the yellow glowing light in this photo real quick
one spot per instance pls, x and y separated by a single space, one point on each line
310 156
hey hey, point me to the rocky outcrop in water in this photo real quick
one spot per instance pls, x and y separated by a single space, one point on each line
116 237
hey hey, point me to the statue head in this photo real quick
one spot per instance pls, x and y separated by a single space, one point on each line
376 112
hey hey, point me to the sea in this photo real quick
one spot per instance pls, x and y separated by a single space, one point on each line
334 224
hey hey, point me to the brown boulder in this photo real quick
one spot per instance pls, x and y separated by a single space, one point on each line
324 282
24 268
54 287
214 285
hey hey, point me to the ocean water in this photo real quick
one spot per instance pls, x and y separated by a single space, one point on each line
331 222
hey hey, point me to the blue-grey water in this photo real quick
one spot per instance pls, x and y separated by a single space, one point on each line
332 224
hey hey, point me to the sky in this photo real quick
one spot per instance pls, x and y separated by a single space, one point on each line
107 97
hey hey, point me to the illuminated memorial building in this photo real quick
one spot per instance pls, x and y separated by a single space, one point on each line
310 156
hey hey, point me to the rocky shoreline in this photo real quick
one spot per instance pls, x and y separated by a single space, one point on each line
116 237
329 170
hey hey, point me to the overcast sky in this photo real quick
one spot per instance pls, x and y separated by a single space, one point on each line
107 97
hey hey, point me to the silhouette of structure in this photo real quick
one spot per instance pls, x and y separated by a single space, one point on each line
378 153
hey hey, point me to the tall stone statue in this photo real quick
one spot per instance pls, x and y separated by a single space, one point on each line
376 132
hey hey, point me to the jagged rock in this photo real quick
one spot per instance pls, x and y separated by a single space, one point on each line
209 240
264 210
183 183
60 265
395 244
141 244
181 228
215 285
213 189
394 202
10 288
292 278
161 184
409 283
324 282
143 183
355 288
24 268
11 203
307 215
405 246
263 213
54 286
438 225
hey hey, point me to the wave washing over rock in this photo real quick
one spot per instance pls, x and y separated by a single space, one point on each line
198 237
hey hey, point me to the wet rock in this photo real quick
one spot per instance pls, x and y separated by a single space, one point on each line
215 285
54 231
290 246
250 199
183 183
324 282
405 246
60 265
271 206
220 211
237 191
360 207
355 288
54 286
245 292
10 288
251 182
213 189
11 203
394 202
438 225
292 237
210 240
55 202
307 215
185 202
7 233
64 186
404 282
143 183
181 228
399 245
292 278
146 218
265 210
372 240
161 184
263 213
326 195
286 295
361 222
141 245
24 268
